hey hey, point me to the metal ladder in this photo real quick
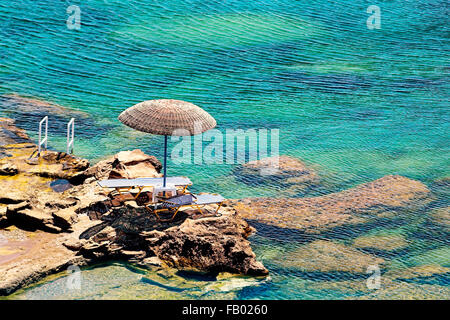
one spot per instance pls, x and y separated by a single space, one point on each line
44 141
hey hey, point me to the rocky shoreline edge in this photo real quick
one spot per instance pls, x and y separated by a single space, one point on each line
66 219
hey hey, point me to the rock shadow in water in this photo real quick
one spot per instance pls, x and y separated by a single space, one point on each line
29 112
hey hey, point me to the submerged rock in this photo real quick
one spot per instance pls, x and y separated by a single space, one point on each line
407 291
439 256
441 187
381 242
27 105
382 198
423 271
327 256
10 134
287 172
390 289
441 217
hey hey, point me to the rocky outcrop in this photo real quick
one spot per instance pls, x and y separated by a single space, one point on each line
208 244
8 169
57 165
127 165
287 172
28 179
382 198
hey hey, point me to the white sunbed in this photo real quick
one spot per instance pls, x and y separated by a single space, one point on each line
189 200
141 183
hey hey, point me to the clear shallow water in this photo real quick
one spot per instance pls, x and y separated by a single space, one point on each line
357 104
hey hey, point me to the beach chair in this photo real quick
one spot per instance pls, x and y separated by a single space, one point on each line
127 185
187 200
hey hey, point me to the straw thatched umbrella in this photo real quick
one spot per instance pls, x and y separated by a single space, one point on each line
167 117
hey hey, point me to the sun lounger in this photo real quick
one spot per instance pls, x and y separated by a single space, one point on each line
140 183
189 200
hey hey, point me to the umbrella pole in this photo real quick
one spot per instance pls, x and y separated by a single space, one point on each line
165 160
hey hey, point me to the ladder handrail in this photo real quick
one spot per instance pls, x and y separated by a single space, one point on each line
70 137
45 140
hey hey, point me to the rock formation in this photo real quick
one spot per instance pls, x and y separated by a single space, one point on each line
206 244
86 223
126 165
382 198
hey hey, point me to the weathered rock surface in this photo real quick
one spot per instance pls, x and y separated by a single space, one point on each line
3 218
55 212
385 197
207 244
286 171
58 165
36 255
32 219
127 165
327 256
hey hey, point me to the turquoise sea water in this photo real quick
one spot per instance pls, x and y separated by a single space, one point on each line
357 104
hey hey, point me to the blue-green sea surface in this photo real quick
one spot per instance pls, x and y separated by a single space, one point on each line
352 102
